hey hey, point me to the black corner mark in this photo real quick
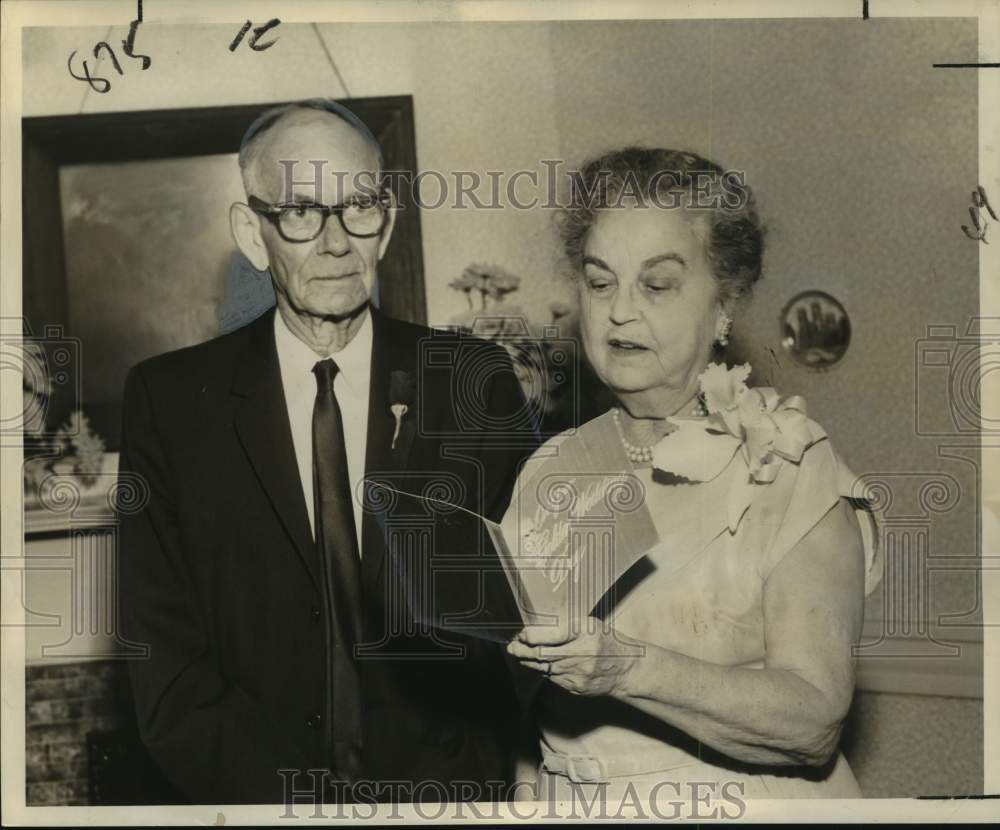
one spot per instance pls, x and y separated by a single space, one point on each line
966 65
258 32
864 10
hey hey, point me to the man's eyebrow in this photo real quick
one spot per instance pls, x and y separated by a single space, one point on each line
304 198
670 257
600 263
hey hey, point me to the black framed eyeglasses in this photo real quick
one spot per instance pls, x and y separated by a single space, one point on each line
363 215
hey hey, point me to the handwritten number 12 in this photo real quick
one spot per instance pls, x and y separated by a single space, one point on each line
258 32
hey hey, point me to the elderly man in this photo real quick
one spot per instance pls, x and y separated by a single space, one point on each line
253 573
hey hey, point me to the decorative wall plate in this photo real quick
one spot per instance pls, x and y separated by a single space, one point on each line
815 329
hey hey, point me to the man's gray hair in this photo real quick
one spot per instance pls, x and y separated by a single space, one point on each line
266 120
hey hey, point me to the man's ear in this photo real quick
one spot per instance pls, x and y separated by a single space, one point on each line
245 227
387 232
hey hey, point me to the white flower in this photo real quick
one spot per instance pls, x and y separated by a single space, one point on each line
398 410
722 387
765 428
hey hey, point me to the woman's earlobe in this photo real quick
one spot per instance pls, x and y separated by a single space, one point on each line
723 326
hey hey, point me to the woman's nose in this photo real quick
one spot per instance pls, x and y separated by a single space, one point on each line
623 308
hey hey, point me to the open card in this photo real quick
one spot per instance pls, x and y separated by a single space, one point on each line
577 522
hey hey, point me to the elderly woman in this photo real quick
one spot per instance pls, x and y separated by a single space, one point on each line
728 657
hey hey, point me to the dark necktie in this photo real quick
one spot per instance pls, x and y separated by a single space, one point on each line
337 544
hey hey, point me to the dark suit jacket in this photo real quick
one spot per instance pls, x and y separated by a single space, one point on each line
219 574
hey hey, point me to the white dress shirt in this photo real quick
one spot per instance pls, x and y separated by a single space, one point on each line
351 386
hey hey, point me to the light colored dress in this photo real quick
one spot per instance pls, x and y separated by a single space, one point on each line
699 593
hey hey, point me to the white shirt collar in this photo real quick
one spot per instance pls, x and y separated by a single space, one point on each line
353 361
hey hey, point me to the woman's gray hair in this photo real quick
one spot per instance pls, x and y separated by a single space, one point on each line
672 179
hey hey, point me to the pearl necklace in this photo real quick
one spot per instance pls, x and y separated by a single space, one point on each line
644 455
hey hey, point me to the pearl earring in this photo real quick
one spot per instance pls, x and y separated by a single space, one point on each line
722 336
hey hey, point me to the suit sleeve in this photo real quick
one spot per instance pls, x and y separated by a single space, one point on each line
205 733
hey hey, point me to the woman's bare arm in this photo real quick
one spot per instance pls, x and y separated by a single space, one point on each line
789 712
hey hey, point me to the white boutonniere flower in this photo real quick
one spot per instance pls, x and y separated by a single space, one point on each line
398 410
402 392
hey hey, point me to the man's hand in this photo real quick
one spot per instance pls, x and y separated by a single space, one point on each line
595 661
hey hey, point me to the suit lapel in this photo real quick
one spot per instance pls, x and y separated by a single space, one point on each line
264 431
393 349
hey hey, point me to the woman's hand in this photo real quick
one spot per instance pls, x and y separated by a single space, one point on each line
595 661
